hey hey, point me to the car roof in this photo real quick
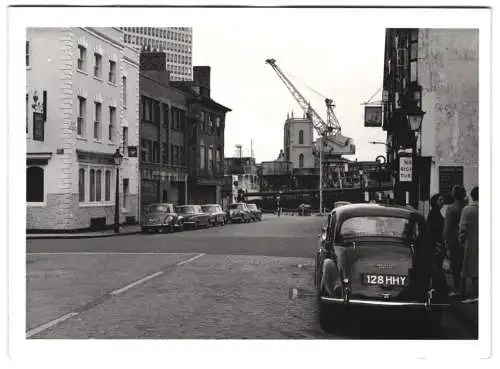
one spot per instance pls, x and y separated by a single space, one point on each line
210 205
161 203
353 210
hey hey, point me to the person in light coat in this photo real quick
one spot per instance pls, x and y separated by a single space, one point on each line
451 233
469 239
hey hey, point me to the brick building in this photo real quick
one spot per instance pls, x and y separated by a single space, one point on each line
78 80
182 136
163 164
206 121
443 63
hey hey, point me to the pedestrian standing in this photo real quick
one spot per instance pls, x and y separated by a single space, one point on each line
450 236
469 239
435 222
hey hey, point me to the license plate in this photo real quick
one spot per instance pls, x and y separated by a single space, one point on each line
385 279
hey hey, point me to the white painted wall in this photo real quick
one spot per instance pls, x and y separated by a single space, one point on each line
448 71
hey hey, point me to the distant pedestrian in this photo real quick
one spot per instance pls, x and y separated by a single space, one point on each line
435 221
469 239
450 236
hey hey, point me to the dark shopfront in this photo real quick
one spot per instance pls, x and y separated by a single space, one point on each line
162 186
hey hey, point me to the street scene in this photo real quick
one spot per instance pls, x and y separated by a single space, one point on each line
253 281
186 182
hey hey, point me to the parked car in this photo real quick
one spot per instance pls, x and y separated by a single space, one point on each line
217 215
161 217
239 212
373 257
193 216
255 211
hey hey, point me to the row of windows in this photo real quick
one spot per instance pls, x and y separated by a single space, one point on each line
150 153
158 44
171 33
98 179
98 187
180 59
110 127
207 158
151 113
97 63
179 70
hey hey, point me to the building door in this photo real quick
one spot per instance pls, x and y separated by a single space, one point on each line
164 196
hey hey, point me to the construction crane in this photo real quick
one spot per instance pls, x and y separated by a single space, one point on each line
331 126
329 131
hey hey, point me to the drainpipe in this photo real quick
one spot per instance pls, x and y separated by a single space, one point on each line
186 189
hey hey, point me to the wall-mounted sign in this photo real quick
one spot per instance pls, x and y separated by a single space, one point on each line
38 127
132 151
405 169
373 116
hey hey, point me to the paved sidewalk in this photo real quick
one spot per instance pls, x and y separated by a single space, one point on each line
468 312
124 231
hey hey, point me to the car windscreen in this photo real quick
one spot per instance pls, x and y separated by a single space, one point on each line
210 208
158 208
186 209
378 226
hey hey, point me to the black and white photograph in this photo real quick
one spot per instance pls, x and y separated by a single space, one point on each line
254 180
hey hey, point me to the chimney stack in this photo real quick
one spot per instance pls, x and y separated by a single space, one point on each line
201 77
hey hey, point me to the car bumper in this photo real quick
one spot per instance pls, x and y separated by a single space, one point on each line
385 304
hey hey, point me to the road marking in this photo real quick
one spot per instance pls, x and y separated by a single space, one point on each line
133 284
65 317
50 324
190 259
107 253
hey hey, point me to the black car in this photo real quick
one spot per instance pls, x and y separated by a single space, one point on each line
161 217
255 211
217 215
374 257
192 216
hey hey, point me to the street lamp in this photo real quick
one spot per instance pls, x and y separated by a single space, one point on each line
414 116
117 158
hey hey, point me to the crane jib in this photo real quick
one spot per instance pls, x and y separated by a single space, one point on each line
325 129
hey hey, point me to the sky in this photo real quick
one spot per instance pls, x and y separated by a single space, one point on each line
330 55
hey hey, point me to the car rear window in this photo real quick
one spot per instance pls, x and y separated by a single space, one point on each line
372 226
210 208
156 208
186 209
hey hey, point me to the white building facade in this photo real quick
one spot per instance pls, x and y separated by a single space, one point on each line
448 71
176 42
91 84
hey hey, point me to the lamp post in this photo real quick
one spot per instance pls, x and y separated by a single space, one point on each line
414 115
117 158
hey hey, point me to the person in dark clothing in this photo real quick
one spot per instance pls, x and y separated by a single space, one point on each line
450 236
435 222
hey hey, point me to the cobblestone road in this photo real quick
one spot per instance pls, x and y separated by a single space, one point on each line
238 281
